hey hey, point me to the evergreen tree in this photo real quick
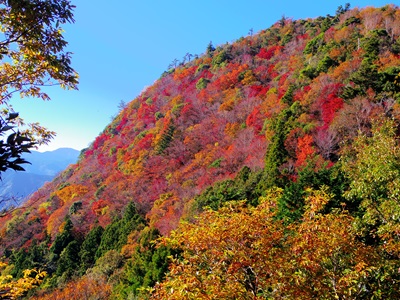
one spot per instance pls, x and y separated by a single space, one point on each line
68 262
147 266
116 234
88 249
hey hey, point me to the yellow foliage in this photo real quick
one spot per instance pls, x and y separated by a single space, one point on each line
71 192
248 78
242 252
229 99
231 129
13 289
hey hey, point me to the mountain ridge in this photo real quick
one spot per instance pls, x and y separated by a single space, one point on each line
42 167
214 86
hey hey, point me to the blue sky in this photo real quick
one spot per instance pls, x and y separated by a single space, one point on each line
122 46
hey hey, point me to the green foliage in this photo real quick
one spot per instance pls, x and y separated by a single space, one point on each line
288 97
75 207
112 151
165 140
365 77
202 67
210 49
276 153
327 23
142 134
62 239
216 163
99 191
373 167
391 83
286 39
220 58
351 20
396 46
115 234
309 72
88 249
20 261
341 10
325 64
315 44
291 203
68 262
373 43
158 115
242 187
148 265
177 108
202 83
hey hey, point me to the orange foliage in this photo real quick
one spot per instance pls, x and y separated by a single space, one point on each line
343 35
239 252
271 105
164 213
55 220
389 60
84 288
230 79
71 192
305 150
248 78
184 73
345 69
231 129
229 98
100 207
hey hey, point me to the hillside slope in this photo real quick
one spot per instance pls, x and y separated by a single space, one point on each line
274 110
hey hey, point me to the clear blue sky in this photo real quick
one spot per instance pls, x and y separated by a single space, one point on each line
122 46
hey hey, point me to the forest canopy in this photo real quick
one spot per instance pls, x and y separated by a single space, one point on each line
266 168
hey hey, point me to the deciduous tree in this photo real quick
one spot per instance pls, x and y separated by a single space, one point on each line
32 56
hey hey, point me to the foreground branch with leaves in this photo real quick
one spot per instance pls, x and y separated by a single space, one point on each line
32 56
241 252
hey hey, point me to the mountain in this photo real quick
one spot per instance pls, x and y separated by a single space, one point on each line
267 168
50 162
42 168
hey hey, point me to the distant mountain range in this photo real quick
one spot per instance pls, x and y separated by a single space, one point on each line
44 166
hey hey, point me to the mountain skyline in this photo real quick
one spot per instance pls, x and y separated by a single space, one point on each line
117 54
42 167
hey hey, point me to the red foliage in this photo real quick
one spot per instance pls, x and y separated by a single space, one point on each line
98 143
98 206
122 123
305 150
258 90
299 95
302 36
146 114
330 103
145 142
216 129
267 53
256 120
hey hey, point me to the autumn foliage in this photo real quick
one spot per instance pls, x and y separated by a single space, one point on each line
269 166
